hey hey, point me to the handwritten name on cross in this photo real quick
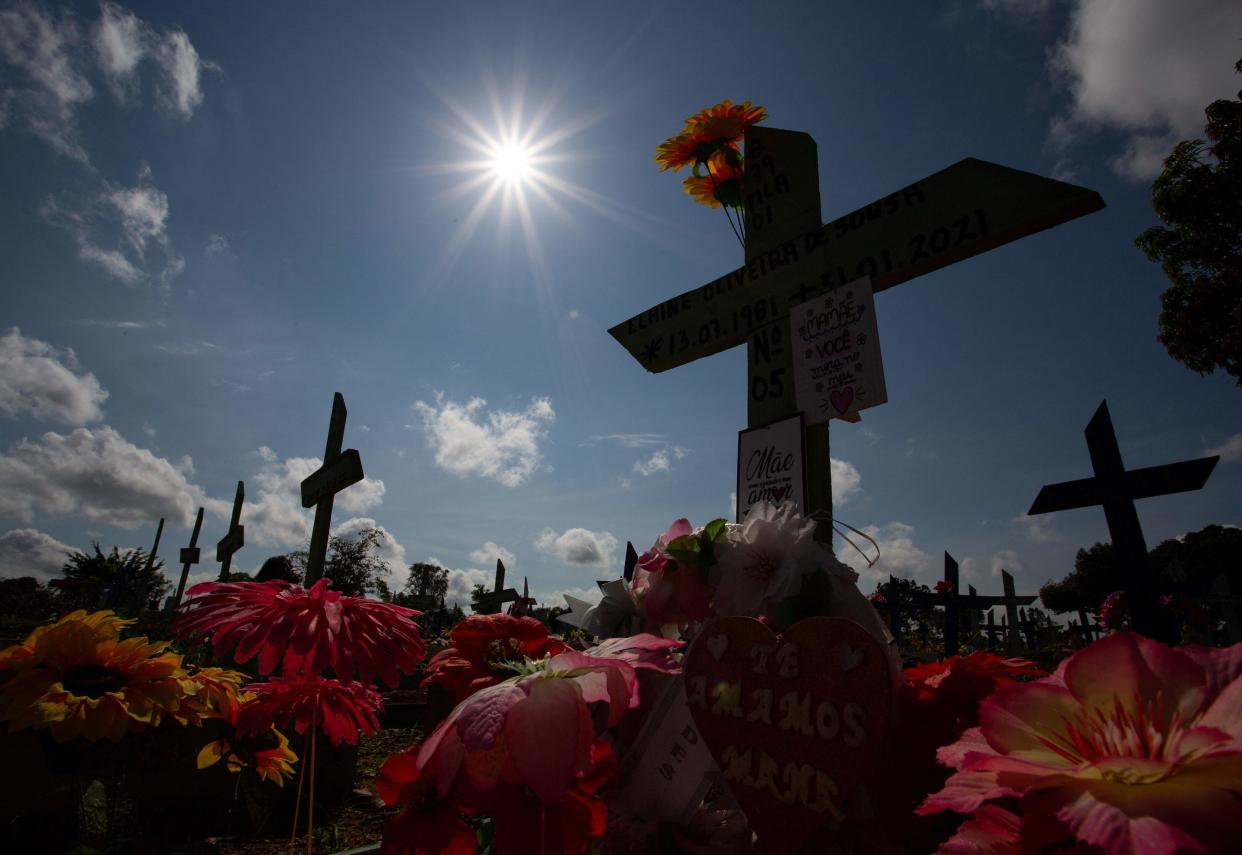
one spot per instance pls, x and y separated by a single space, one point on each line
490 604
340 469
966 209
1116 489
189 555
235 538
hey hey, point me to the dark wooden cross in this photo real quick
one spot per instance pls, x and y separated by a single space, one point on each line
490 604
1090 631
340 469
969 208
522 605
189 555
631 561
235 539
121 583
1116 489
991 630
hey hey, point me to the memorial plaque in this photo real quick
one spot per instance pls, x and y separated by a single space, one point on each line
836 353
770 466
795 722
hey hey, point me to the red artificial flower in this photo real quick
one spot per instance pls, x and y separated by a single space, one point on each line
341 709
304 630
428 826
939 701
485 647
944 586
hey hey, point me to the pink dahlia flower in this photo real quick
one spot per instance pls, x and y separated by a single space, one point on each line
1129 747
304 629
535 729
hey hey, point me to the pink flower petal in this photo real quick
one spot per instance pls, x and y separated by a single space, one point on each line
1222 665
1019 717
1125 666
550 736
482 716
992 831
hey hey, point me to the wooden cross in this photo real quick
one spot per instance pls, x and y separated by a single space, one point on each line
189 555
1090 631
490 604
631 561
969 208
235 539
991 630
340 469
1116 489
522 605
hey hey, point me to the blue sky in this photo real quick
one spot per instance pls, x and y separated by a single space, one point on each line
217 215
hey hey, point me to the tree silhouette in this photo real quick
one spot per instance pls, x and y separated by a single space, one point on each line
140 588
1201 250
350 564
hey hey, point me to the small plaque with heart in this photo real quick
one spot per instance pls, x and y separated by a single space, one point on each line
795 721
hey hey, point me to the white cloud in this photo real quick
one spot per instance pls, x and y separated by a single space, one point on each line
658 462
273 513
845 482
389 551
40 381
143 210
29 552
1230 450
629 440
182 68
1038 528
489 552
120 39
578 546
898 554
218 248
556 599
44 49
55 60
461 583
732 505
1006 559
99 474
1146 68
500 444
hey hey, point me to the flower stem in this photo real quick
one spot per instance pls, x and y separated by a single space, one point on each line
736 234
297 799
310 807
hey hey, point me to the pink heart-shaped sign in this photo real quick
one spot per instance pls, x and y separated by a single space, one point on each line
841 398
795 722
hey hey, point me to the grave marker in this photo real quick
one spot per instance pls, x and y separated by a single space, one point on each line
235 539
969 208
189 555
490 604
340 469
1116 488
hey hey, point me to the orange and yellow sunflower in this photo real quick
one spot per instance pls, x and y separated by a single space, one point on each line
721 185
268 754
714 131
77 678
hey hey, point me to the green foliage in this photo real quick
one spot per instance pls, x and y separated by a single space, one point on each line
477 593
1094 577
350 564
1200 201
141 586
426 580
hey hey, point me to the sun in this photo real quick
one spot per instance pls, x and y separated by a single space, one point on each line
511 163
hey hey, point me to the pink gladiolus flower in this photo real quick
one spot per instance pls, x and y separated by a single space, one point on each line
341 709
640 651
1130 747
304 630
535 729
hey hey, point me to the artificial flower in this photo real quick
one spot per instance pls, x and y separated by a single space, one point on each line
304 629
763 560
219 695
106 622
722 185
938 702
670 582
486 650
536 730
267 753
713 131
340 708
1113 611
1130 746
77 678
642 651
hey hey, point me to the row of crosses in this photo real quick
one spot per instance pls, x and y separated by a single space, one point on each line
340 469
